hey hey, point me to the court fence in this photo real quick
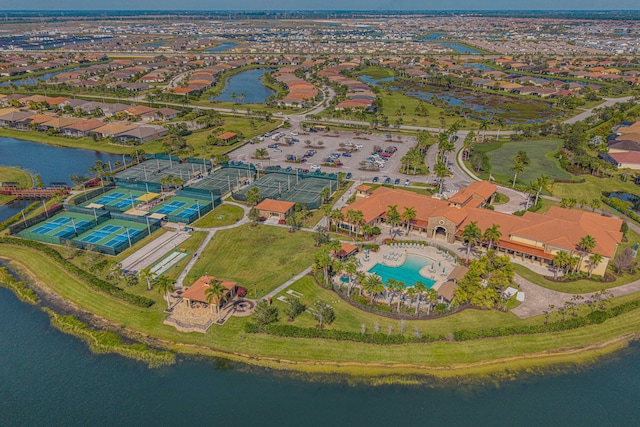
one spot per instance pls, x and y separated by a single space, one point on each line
85 197
29 222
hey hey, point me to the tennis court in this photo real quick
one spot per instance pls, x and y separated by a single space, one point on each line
118 199
154 170
224 180
278 186
63 225
113 233
183 209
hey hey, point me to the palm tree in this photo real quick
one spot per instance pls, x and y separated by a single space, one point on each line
499 121
148 275
594 261
442 171
373 284
336 215
471 234
261 153
517 168
322 262
408 215
165 284
350 266
393 216
420 288
431 296
394 287
483 127
543 183
585 245
217 291
492 234
411 293
560 261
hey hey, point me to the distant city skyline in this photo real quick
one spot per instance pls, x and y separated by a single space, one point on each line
324 5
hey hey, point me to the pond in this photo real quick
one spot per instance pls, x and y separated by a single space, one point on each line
221 47
481 105
483 67
34 80
246 83
53 164
376 82
11 209
457 47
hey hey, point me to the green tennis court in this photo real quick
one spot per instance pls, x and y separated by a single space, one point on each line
63 225
113 233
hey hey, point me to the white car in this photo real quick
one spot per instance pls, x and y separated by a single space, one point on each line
359 146
314 167
294 133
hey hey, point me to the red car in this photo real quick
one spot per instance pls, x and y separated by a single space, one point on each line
282 221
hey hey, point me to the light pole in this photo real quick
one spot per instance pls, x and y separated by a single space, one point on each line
128 236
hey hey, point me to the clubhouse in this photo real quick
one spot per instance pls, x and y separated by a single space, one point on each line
535 237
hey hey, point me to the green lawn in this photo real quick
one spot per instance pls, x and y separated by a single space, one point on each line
225 214
263 255
190 245
593 187
541 160
231 124
377 72
230 340
9 174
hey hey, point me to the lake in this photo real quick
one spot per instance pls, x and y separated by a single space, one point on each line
34 80
54 164
49 378
248 83
221 47
457 47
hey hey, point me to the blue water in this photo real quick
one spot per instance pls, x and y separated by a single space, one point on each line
247 82
54 164
34 80
478 66
432 37
221 47
375 82
465 50
409 272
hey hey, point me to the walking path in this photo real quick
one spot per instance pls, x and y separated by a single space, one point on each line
288 283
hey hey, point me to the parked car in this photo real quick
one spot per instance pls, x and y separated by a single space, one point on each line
387 180
348 176
282 221
375 179
338 163
397 181
407 182
272 146
346 154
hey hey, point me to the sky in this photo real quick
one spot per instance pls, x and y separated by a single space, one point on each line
320 5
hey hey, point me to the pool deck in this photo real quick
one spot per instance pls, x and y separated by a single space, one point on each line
395 256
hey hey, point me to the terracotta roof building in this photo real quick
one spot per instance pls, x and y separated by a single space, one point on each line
275 208
533 236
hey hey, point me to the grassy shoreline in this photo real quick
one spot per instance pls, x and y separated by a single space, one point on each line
497 358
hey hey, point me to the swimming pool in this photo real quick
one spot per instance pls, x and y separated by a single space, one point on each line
409 272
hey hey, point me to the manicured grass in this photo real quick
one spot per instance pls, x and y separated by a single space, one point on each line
230 339
231 124
225 214
350 318
9 174
377 72
593 187
262 255
392 101
501 199
541 160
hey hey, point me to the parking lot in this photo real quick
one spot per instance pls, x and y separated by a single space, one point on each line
342 144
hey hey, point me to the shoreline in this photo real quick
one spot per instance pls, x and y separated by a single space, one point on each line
499 369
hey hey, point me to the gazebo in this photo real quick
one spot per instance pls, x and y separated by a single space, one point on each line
197 291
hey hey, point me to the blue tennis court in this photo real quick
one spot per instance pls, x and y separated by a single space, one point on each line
170 208
111 197
123 238
191 210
